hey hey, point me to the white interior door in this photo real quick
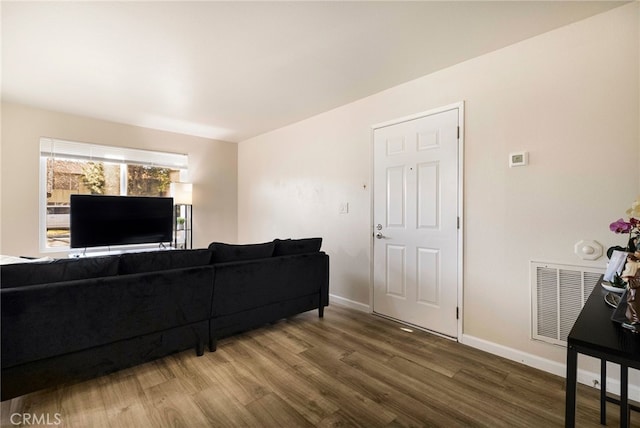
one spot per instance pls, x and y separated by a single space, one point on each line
416 221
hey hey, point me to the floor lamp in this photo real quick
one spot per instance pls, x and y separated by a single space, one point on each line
183 214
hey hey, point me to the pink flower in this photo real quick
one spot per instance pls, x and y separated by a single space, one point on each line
621 226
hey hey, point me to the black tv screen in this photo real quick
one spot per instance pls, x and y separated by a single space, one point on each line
98 221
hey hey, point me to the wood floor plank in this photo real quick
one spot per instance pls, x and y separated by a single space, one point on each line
327 379
290 386
273 411
482 404
339 419
339 337
294 340
84 403
441 407
348 369
411 408
509 400
240 383
170 404
154 373
129 416
184 367
222 410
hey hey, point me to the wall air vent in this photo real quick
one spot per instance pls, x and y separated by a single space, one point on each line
558 293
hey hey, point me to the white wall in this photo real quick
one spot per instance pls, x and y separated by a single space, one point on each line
569 97
212 169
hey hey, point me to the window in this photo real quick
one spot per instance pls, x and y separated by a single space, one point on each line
68 168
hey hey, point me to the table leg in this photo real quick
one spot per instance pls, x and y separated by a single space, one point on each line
571 387
624 396
603 391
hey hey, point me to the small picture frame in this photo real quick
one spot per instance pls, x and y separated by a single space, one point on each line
615 265
518 159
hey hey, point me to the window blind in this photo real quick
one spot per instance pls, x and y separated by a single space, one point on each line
51 147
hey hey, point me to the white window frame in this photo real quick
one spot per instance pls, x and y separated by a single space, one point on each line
52 147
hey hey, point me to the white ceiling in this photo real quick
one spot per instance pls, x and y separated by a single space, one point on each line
233 70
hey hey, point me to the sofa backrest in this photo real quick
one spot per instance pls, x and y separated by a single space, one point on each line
289 247
224 253
152 261
23 274
59 270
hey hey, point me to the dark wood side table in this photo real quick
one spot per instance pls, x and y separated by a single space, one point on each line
594 334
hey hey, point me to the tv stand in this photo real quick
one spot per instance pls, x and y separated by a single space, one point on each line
76 253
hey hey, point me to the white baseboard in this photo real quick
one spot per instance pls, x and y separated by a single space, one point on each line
585 377
349 303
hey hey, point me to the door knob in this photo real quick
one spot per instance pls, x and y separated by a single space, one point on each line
379 235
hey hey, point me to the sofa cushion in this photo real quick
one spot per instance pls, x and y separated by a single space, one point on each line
287 247
162 260
22 274
230 252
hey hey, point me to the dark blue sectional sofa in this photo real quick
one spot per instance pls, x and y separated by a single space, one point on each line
72 319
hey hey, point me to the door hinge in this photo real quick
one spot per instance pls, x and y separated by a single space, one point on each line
458 132
458 223
457 313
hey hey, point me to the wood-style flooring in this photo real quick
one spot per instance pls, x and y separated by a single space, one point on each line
346 369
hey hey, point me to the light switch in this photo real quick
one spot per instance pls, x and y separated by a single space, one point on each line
344 208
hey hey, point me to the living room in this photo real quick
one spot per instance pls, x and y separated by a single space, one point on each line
569 97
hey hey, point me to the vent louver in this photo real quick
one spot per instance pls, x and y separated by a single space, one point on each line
558 295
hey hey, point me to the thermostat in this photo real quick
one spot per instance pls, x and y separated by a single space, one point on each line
518 159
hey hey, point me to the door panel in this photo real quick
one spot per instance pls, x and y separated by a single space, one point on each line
428 275
416 216
428 140
396 272
395 197
428 195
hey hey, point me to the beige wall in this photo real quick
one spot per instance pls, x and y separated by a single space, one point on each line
212 169
569 97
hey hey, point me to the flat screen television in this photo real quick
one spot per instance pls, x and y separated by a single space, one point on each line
98 221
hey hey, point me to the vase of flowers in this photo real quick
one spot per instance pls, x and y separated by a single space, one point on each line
631 273
631 227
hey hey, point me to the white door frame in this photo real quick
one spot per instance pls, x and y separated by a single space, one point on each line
460 107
